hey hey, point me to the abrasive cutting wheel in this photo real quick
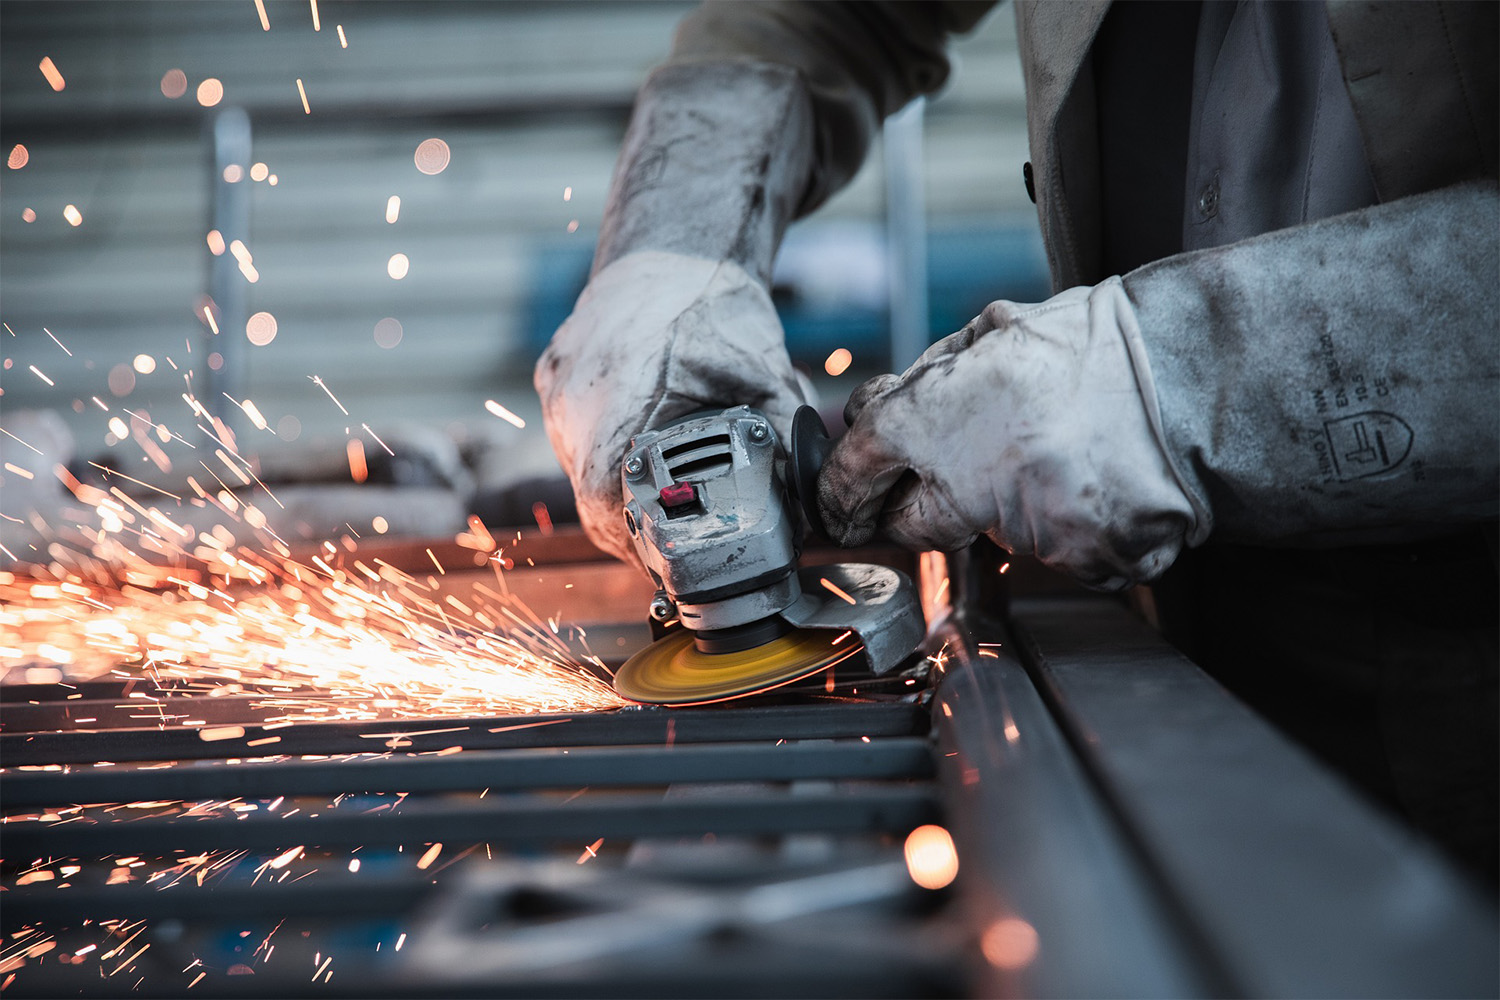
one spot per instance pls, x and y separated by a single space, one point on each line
673 671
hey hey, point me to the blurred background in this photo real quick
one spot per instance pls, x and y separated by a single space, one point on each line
271 171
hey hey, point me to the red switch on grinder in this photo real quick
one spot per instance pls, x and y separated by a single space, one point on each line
678 498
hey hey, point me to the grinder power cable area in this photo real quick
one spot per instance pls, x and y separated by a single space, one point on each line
714 503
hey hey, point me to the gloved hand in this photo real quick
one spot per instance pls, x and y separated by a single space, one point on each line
676 316
656 336
1036 425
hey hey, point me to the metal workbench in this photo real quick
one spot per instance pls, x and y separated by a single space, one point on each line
1124 827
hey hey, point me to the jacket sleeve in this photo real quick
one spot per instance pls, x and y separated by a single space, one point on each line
1339 378
860 62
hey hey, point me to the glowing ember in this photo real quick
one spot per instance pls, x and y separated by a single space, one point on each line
210 92
388 332
503 413
931 858
19 157
260 329
835 590
174 84
130 591
50 71
359 471
432 156
1009 944
838 362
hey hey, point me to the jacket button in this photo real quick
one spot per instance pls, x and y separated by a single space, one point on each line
1030 179
1208 200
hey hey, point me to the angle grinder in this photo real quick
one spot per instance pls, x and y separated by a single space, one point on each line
714 503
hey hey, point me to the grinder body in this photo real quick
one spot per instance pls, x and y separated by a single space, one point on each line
713 505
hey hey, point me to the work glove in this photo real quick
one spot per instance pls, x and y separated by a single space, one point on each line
1332 383
676 316
1035 425
656 336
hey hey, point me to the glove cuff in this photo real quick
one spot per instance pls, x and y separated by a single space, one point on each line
1111 294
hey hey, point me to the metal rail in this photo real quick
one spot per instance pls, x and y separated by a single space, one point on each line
526 821
497 770
827 720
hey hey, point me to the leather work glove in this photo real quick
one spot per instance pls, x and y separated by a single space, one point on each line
1035 425
1331 383
656 336
676 316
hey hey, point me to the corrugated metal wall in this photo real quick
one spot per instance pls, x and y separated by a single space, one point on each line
532 99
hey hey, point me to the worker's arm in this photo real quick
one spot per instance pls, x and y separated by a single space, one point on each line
762 111
1332 381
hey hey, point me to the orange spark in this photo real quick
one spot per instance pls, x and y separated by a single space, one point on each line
317 380
260 329
74 217
19 157
56 341
357 467
301 92
503 413
317 25
543 517
343 42
393 208
432 156
431 856
38 373
833 589
211 91
591 851
174 84
1009 944
838 362
265 22
50 71
398 266
931 858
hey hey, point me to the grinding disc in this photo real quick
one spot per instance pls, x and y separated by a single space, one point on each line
672 671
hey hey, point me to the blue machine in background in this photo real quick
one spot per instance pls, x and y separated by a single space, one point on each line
831 285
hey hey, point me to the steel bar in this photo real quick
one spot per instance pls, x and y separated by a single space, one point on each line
1324 896
1039 848
830 720
329 895
113 713
523 821
498 770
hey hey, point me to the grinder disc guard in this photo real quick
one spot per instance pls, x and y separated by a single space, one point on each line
673 671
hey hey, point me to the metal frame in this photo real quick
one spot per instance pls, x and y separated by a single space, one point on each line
1151 834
